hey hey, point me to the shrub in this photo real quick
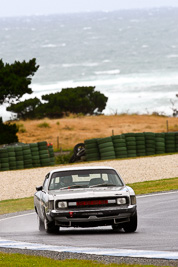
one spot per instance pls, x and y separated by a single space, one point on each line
8 133
44 125
63 158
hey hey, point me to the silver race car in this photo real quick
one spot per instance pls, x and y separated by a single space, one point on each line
85 197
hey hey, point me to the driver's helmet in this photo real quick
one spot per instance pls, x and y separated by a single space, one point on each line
66 180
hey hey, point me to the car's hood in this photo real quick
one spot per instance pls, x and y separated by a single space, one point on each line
90 193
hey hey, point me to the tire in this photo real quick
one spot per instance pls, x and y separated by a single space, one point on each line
131 226
90 141
108 157
27 152
92 150
4 160
130 139
91 146
11 154
19 153
42 143
140 147
120 149
105 140
106 154
116 227
129 135
119 142
108 144
121 156
140 143
44 151
44 156
34 149
92 155
78 147
106 149
50 227
41 226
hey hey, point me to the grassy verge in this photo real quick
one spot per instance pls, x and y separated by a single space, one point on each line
14 205
26 260
155 186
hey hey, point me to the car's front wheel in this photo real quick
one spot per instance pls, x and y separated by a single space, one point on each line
40 224
116 227
131 226
50 227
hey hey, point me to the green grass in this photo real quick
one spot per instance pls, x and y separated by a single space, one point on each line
26 260
44 125
155 186
14 205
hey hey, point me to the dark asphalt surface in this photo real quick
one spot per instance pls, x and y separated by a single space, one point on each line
157 228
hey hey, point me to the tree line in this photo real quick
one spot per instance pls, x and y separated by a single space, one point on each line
77 100
15 81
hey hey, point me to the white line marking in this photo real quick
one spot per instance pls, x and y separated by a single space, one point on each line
17 216
89 250
158 194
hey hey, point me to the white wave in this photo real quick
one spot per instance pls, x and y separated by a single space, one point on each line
49 45
86 28
145 46
107 72
134 82
85 64
106 60
172 56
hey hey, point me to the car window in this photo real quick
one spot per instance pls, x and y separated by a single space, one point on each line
84 178
45 184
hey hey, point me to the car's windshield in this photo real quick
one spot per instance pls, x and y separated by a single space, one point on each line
84 178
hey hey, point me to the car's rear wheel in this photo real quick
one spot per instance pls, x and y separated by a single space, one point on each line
50 227
131 226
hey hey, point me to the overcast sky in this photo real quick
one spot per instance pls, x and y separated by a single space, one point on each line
40 7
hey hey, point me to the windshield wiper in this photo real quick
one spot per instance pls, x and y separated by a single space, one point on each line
102 185
71 187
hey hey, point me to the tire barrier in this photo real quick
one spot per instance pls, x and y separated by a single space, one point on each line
120 147
170 142
140 144
176 141
150 143
131 145
26 156
106 148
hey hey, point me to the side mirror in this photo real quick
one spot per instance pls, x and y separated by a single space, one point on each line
39 188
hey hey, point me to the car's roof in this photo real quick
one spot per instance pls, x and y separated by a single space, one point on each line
82 168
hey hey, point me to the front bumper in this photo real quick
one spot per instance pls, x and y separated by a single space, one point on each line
92 217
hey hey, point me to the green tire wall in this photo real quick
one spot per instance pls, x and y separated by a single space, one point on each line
92 150
106 148
26 156
131 145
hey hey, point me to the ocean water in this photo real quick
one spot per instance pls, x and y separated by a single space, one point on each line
131 56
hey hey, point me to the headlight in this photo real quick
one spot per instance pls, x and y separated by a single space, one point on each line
62 204
121 201
133 200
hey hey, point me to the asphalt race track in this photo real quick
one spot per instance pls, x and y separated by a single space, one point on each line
156 236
